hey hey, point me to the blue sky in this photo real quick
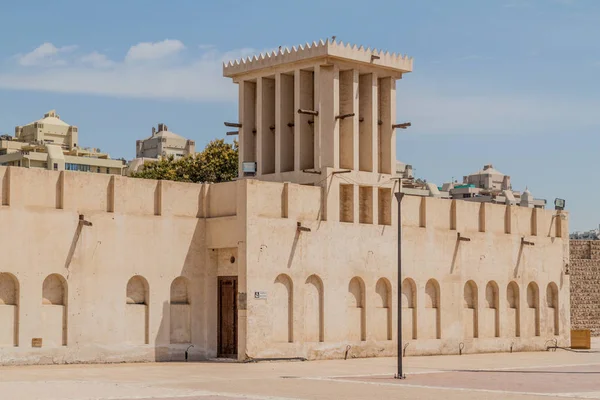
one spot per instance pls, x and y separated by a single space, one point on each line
508 82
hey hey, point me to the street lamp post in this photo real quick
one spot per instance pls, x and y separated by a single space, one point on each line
399 196
399 373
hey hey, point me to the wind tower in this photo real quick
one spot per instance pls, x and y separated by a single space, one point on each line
318 111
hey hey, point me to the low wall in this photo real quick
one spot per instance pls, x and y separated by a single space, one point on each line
88 192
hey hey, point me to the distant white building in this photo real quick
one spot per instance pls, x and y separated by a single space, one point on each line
491 185
593 234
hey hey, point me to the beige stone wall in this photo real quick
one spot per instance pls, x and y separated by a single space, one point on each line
585 285
139 284
335 286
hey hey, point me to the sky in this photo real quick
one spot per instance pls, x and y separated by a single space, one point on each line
513 83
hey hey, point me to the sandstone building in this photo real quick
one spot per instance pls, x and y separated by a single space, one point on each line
162 143
299 260
51 143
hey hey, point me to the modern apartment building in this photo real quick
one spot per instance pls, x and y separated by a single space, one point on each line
51 143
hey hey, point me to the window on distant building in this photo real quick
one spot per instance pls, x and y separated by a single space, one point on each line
56 166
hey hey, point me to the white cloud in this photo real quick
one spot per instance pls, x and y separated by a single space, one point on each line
97 60
197 79
47 55
153 51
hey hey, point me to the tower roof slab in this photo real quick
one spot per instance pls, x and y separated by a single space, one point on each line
330 49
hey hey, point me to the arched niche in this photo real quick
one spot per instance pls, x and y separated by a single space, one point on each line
409 309
9 310
432 326
314 313
137 311
470 310
533 309
492 310
513 309
54 311
356 309
552 304
383 310
282 309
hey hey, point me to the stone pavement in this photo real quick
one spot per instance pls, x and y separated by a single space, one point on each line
543 375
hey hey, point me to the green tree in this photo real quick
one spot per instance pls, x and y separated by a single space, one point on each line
218 162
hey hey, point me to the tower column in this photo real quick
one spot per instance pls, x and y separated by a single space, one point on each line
284 116
259 126
297 119
327 135
278 97
375 126
241 148
368 128
304 137
247 117
387 116
265 125
348 126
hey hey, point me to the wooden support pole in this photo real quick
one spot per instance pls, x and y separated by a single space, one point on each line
462 238
402 126
301 228
308 112
345 116
526 243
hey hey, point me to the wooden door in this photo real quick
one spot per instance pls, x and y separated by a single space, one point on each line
227 346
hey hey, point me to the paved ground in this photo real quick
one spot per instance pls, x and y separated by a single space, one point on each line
543 375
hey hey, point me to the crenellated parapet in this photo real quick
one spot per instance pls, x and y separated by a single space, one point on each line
329 48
